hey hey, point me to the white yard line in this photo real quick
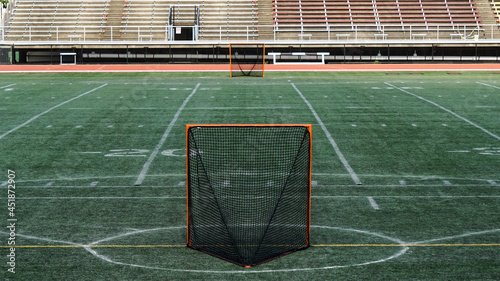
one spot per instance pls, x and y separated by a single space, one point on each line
373 203
7 86
456 236
484 84
49 110
348 167
235 108
445 109
155 152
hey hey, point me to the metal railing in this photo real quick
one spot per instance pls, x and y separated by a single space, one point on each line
330 33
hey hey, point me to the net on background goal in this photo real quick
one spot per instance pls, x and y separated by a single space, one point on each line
247 59
248 190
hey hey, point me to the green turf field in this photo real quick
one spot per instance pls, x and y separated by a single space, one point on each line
405 173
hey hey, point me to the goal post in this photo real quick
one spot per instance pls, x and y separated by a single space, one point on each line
247 59
248 190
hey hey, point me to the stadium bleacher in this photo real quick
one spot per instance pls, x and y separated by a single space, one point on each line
60 20
148 20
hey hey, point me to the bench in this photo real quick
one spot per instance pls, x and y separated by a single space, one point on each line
146 36
299 54
380 35
421 35
454 35
73 36
302 36
346 36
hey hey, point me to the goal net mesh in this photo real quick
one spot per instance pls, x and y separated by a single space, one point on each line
246 59
248 191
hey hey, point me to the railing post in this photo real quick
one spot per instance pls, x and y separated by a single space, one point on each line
111 33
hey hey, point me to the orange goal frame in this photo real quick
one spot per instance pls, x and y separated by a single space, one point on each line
247 44
309 128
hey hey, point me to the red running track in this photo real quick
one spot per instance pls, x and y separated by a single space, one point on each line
225 67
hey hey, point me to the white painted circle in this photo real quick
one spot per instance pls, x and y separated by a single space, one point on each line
402 251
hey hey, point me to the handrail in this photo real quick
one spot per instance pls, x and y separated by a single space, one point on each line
318 33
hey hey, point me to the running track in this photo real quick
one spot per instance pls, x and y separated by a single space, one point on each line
225 67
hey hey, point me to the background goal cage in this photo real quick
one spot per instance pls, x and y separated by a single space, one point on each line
247 59
248 190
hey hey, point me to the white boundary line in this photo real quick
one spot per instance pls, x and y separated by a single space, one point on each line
49 110
445 109
145 168
348 167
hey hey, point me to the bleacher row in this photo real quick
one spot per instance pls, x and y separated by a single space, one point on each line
220 19
92 19
375 12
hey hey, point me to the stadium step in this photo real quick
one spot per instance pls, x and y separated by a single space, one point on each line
114 18
265 20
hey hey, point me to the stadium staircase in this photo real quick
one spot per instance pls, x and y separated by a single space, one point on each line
113 18
266 20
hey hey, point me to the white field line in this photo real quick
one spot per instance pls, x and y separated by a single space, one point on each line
155 152
484 84
183 175
49 110
319 186
447 110
456 236
405 247
353 174
314 197
7 86
44 239
395 240
233 108
373 203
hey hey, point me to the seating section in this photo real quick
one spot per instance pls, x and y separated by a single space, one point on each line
131 19
57 19
226 19
375 13
77 20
